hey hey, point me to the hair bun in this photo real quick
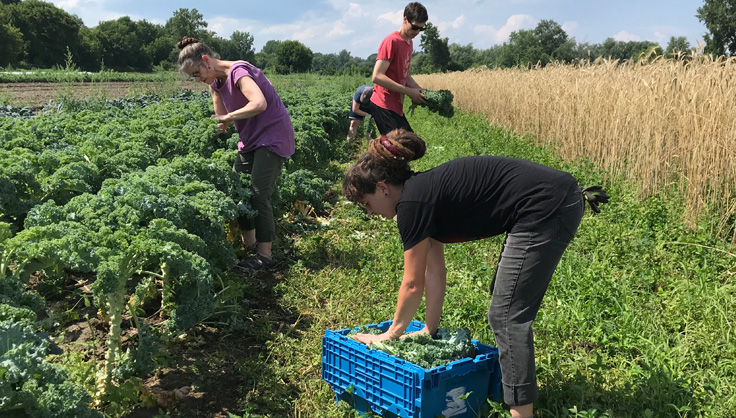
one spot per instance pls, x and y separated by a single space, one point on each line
185 41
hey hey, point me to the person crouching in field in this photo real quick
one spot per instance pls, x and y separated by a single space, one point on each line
357 113
242 95
538 208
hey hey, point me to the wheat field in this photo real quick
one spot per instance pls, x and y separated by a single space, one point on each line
669 124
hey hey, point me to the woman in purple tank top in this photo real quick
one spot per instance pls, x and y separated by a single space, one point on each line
242 95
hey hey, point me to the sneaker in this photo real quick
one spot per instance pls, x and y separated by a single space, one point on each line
257 262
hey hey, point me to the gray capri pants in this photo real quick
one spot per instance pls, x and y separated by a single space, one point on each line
264 168
526 264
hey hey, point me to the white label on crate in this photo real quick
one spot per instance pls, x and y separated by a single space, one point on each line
454 405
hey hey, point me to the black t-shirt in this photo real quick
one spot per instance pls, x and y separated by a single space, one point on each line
478 197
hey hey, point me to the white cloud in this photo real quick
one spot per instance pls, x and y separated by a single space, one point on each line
513 24
395 18
445 26
487 35
225 26
626 37
570 27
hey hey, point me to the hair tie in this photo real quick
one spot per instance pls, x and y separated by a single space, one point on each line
391 148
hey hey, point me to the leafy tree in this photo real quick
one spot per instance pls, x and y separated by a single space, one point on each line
343 58
161 49
187 22
489 57
122 48
293 57
523 49
243 45
420 63
9 1
227 49
551 38
90 56
266 58
436 47
719 17
47 32
463 57
677 44
622 50
326 64
11 44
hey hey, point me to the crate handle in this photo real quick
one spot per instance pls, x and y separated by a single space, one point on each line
368 376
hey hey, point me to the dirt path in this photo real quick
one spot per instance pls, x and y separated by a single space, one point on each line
37 94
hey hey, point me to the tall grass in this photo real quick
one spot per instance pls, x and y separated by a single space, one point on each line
669 124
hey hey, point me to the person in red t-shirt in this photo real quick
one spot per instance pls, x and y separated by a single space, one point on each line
391 73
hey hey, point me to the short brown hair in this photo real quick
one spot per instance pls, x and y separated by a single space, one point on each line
387 160
415 12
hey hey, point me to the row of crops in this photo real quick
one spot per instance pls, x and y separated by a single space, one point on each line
134 195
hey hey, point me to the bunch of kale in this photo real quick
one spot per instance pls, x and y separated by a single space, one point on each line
439 101
427 351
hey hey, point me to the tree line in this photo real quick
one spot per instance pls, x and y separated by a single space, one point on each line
37 34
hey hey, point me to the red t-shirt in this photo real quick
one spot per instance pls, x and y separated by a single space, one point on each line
398 51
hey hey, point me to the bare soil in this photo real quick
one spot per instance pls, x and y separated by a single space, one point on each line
38 94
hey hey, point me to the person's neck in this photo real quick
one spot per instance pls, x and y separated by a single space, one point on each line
222 69
404 33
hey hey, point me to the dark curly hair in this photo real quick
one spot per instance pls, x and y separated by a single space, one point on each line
387 160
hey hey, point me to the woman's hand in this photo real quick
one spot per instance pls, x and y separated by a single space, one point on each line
222 127
371 338
226 119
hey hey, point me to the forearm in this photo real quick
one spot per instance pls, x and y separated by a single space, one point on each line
435 284
384 81
219 106
245 112
434 298
410 297
411 83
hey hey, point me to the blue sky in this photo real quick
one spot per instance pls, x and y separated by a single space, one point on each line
329 26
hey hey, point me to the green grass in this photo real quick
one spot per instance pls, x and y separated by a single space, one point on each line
73 75
638 320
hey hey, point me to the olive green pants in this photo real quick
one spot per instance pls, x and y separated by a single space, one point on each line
264 168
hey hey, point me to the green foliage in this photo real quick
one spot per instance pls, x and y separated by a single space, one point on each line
719 17
243 45
436 48
15 314
18 304
292 57
47 30
32 387
439 101
187 22
428 352
303 186
11 44
677 45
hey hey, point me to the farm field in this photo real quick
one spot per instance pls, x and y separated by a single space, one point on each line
37 94
637 322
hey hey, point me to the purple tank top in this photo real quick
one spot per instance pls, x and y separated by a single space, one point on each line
272 128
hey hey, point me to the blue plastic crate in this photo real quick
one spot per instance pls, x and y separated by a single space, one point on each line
374 381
